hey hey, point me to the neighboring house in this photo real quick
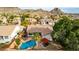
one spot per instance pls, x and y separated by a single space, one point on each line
32 20
8 32
44 30
47 21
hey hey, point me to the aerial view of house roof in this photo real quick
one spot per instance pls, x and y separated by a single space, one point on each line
6 30
39 28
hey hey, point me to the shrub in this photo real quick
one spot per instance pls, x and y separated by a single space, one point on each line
37 36
17 41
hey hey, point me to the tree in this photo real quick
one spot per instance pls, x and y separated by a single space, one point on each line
66 32
23 16
25 23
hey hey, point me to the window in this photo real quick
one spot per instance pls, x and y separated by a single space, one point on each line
1 37
47 22
6 37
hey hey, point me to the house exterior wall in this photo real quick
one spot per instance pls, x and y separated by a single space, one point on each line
3 40
10 37
47 22
48 36
14 33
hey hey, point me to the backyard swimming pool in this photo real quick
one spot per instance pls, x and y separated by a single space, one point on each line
28 44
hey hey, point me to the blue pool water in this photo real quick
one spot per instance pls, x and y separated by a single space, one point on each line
28 44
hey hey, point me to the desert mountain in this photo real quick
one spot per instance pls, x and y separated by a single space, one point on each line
57 11
9 9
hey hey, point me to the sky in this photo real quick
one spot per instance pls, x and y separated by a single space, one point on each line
65 9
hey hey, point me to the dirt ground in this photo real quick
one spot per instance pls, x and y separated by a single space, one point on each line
52 47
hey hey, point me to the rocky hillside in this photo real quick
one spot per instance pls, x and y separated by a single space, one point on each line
57 11
38 12
9 9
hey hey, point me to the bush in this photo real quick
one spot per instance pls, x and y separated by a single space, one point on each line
37 36
0 22
17 41
66 32
2 45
